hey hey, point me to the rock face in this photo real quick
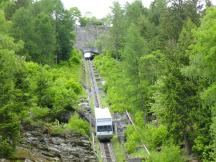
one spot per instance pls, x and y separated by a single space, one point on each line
38 145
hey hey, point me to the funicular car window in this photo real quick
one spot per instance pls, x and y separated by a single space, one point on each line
104 128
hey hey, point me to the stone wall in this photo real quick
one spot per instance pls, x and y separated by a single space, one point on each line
86 35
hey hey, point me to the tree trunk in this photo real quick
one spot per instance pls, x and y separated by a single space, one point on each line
188 145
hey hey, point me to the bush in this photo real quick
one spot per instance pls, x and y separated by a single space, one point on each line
39 113
6 149
78 125
133 139
151 135
53 90
169 153
154 136
110 69
75 58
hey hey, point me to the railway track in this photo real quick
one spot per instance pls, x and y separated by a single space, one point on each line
94 84
105 147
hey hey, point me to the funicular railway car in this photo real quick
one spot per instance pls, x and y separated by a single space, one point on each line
88 56
103 124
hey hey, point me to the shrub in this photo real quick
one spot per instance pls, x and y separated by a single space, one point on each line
151 135
78 125
75 58
39 112
6 149
54 90
133 139
57 128
169 153
154 136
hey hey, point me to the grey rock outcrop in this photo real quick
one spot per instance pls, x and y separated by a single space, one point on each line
39 146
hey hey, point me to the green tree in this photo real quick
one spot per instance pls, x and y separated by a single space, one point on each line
45 39
65 35
178 94
46 28
23 29
172 19
132 52
202 67
134 11
118 30
9 68
156 10
166 69
76 14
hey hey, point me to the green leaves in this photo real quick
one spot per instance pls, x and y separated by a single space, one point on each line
54 89
203 51
202 67
78 125
31 92
5 25
10 67
46 28
168 153
111 69
117 31
157 54
151 66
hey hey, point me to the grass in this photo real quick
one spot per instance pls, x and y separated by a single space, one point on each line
141 153
104 100
92 104
118 149
98 151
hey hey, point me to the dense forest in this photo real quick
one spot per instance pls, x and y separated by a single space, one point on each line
159 64
39 68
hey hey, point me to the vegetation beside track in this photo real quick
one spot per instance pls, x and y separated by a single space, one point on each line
40 70
158 65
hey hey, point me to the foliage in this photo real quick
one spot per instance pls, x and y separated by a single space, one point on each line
85 21
6 148
133 139
56 89
159 65
202 67
168 153
117 31
118 149
43 93
76 14
46 31
154 137
111 70
11 104
78 125
29 91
